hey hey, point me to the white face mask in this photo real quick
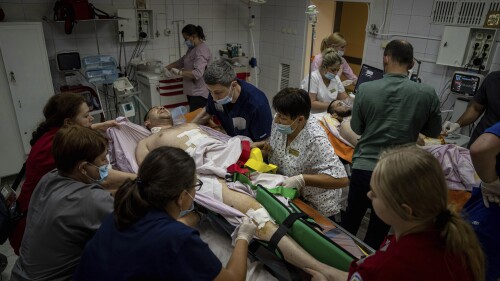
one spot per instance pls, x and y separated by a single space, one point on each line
227 99
340 53
330 76
191 208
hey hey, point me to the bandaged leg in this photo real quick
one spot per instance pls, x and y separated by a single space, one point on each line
292 252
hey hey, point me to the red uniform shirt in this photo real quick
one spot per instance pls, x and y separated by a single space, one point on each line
40 161
417 256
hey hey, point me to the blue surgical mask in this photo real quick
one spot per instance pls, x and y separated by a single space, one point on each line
227 99
285 129
103 173
189 44
330 76
191 208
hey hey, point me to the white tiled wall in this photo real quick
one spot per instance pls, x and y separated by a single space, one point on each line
407 18
223 21
277 46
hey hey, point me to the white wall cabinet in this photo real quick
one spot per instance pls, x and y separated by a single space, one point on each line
25 87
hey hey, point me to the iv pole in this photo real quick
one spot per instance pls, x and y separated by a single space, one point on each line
313 19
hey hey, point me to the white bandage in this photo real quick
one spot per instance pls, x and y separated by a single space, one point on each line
194 137
260 216
155 130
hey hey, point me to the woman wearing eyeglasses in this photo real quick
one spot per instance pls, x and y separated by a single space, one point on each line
325 83
144 239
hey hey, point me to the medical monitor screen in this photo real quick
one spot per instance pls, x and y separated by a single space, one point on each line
68 61
368 73
465 84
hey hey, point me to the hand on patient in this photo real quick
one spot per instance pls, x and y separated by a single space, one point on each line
449 127
295 181
247 230
491 192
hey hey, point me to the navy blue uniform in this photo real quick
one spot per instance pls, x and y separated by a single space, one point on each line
249 116
156 247
485 221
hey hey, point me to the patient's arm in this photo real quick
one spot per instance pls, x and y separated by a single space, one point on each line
292 252
347 133
142 150
115 179
202 118
325 181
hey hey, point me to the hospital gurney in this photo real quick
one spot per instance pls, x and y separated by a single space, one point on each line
203 157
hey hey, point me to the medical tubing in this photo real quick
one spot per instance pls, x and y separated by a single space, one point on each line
254 55
310 58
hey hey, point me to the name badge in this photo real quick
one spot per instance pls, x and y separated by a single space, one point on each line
239 123
293 152
219 107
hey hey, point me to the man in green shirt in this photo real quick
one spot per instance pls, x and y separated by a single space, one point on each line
387 112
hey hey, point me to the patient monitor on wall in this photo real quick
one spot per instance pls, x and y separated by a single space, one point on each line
465 83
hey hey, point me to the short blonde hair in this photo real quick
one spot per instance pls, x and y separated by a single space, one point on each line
412 176
333 40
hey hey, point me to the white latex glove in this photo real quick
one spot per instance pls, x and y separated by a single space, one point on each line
168 73
176 71
491 192
347 83
295 181
450 127
247 230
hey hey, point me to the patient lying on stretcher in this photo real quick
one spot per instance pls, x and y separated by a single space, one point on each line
212 157
340 113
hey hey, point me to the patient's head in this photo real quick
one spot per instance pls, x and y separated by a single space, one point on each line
158 116
338 108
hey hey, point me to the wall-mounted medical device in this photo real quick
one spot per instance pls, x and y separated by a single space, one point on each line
135 24
127 109
466 83
474 53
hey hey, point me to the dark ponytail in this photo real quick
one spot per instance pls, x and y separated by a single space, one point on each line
191 30
58 108
199 31
163 175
